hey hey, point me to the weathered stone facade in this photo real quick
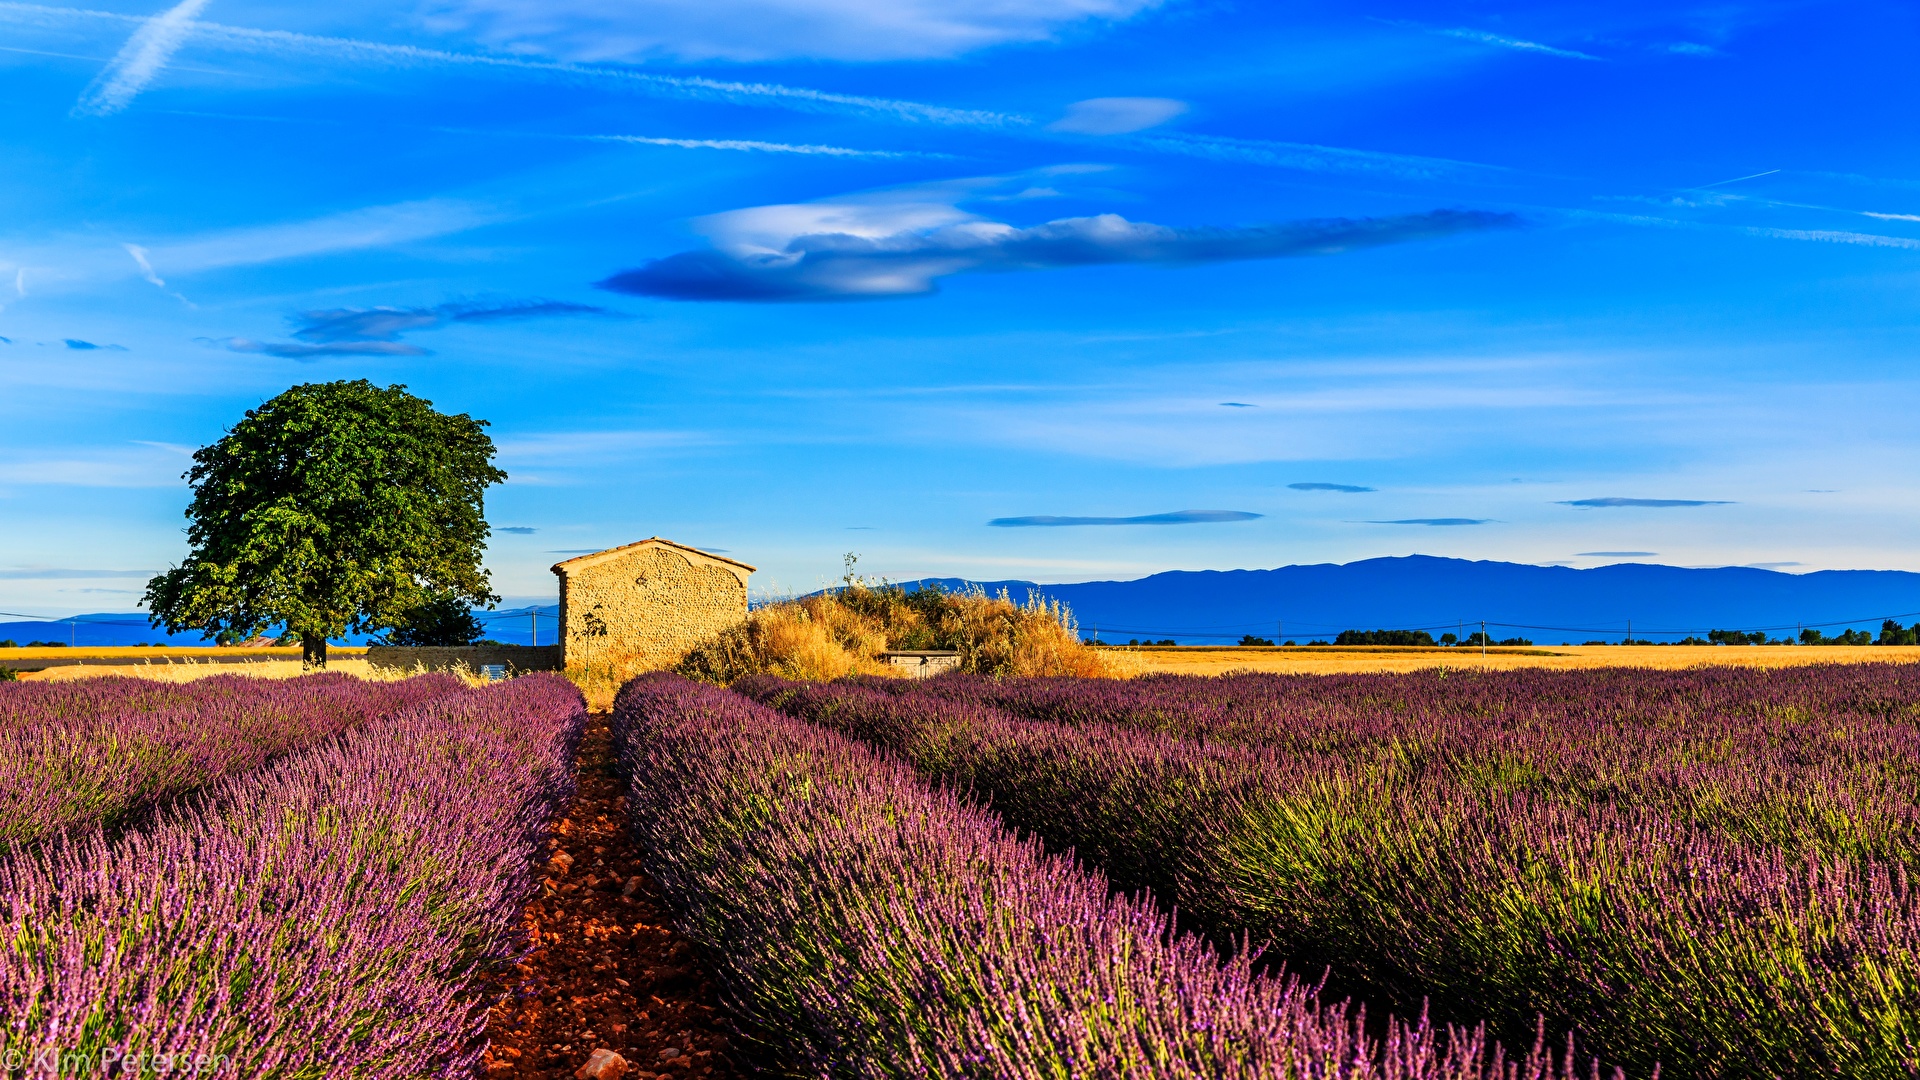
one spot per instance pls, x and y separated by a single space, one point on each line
642 606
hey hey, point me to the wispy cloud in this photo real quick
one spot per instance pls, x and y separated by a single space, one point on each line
1658 504
299 350
755 145
1310 157
1177 517
1486 38
894 246
70 575
1616 554
1117 115
139 60
388 323
517 530
376 331
1835 236
1314 485
141 466
599 447
1238 405
146 268
1431 521
760 30
282 43
351 230
76 343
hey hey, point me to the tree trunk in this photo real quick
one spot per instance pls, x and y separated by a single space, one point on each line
313 652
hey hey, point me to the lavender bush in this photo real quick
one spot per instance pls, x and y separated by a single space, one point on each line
334 914
868 925
99 751
1423 864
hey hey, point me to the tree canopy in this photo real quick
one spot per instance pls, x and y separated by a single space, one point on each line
334 508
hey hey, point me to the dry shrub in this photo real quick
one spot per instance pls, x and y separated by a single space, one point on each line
830 635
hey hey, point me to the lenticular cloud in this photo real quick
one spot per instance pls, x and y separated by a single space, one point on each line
869 264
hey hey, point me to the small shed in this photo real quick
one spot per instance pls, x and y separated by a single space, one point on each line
643 605
921 663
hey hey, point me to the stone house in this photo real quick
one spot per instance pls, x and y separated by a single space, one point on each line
642 606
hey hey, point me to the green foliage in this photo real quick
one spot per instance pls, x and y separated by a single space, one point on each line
9 643
1249 639
1850 636
1892 633
446 619
1735 637
7 675
333 508
1384 637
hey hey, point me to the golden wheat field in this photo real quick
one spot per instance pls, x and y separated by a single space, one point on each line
186 664
1327 660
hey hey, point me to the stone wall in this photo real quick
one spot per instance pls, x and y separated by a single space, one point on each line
643 606
448 657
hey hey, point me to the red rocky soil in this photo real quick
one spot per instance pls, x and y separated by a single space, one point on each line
607 974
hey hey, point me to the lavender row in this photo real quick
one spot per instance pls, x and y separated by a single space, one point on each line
1821 761
868 925
1659 942
339 913
116 747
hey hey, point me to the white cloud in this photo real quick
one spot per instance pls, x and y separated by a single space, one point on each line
591 30
1117 115
900 243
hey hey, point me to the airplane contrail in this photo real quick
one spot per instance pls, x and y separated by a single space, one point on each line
139 60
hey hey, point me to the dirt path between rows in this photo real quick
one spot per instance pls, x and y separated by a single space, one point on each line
607 974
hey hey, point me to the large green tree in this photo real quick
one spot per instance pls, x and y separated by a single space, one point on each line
334 508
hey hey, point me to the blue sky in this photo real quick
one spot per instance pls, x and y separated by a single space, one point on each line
1053 289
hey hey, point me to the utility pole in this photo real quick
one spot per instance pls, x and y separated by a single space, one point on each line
533 623
1483 642
73 631
1629 631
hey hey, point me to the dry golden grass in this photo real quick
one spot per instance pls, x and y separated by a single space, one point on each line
831 635
1328 660
173 669
161 654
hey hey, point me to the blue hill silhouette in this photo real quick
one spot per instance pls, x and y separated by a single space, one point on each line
1544 603
512 626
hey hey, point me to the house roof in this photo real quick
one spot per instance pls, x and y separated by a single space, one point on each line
581 562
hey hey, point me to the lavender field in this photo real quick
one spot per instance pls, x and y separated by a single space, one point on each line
1706 872
98 751
872 924
335 899
1468 876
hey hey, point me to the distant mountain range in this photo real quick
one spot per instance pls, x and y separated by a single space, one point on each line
513 626
1548 604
